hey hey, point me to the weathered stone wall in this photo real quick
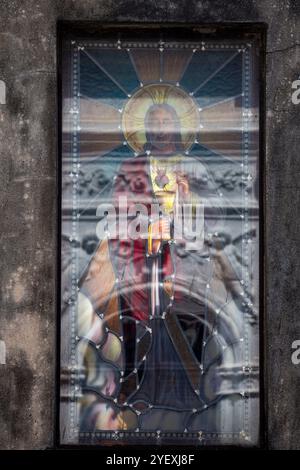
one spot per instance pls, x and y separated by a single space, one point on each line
28 192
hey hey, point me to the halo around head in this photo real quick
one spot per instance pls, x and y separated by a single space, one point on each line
133 117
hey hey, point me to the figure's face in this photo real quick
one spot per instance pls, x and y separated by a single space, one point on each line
161 129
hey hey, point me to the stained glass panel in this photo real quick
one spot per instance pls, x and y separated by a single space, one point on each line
160 241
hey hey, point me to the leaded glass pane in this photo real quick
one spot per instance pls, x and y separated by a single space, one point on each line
160 241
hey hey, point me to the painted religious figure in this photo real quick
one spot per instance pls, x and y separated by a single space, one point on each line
163 333
159 280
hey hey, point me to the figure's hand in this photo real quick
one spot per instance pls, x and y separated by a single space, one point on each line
158 230
168 287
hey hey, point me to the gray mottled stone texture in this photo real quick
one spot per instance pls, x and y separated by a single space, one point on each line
28 201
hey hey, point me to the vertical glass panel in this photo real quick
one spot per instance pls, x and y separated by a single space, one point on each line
160 241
